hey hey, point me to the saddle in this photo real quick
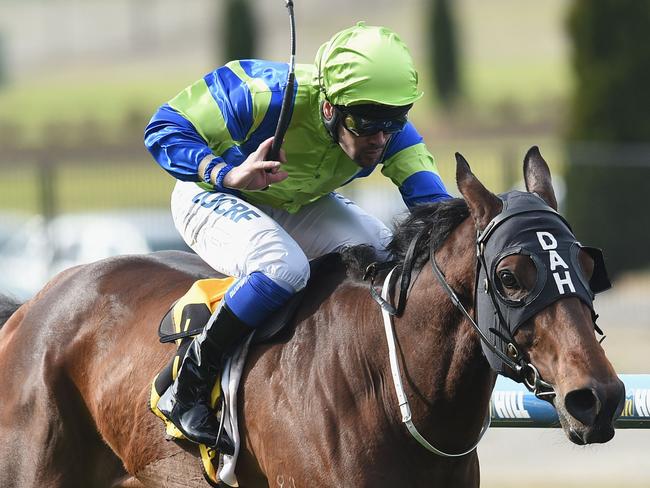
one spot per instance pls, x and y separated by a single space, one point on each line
186 318
189 314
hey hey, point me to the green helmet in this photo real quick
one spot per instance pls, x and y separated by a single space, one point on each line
367 64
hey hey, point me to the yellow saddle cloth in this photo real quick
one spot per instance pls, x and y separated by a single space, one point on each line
186 318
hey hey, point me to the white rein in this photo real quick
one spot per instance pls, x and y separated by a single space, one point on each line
404 406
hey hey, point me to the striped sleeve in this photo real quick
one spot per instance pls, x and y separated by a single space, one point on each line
410 165
175 144
217 116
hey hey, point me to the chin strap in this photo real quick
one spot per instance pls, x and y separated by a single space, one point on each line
404 406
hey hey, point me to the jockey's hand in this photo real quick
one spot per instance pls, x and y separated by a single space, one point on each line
256 173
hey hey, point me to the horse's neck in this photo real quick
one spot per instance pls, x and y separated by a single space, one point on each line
446 378
343 351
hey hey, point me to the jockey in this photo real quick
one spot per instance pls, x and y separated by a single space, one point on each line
262 221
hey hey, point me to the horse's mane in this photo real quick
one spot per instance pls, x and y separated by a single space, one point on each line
436 220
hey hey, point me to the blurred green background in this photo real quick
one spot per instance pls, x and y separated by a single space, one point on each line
80 79
84 75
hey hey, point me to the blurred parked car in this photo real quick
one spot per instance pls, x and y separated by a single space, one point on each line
36 251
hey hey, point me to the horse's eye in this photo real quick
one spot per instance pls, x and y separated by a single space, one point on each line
508 279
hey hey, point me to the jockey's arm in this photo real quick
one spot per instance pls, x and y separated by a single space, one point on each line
197 135
176 145
410 165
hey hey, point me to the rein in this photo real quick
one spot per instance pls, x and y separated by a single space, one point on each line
525 371
405 281
404 405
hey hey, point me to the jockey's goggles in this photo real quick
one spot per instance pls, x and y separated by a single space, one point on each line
365 121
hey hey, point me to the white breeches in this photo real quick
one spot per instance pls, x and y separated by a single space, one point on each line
237 238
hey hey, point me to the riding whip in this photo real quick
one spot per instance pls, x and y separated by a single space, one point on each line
285 111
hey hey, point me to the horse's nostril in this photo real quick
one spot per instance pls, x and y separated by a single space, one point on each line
583 405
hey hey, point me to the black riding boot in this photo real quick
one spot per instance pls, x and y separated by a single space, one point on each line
187 402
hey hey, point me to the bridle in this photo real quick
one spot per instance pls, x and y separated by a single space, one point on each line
524 371
521 370
527 373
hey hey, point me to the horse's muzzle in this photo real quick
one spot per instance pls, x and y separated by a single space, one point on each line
590 412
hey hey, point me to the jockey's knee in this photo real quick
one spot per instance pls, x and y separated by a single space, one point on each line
279 257
255 296
289 270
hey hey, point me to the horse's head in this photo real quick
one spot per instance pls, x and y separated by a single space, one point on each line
534 301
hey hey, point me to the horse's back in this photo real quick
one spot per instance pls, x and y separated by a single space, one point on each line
92 307
79 358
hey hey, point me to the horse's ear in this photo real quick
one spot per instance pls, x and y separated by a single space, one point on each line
483 204
538 177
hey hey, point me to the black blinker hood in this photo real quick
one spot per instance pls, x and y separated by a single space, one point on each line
527 225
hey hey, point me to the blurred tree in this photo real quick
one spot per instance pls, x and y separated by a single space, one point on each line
444 52
608 176
3 61
239 30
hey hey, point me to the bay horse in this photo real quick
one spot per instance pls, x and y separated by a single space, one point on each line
317 406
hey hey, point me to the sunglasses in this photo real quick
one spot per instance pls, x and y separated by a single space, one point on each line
362 126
